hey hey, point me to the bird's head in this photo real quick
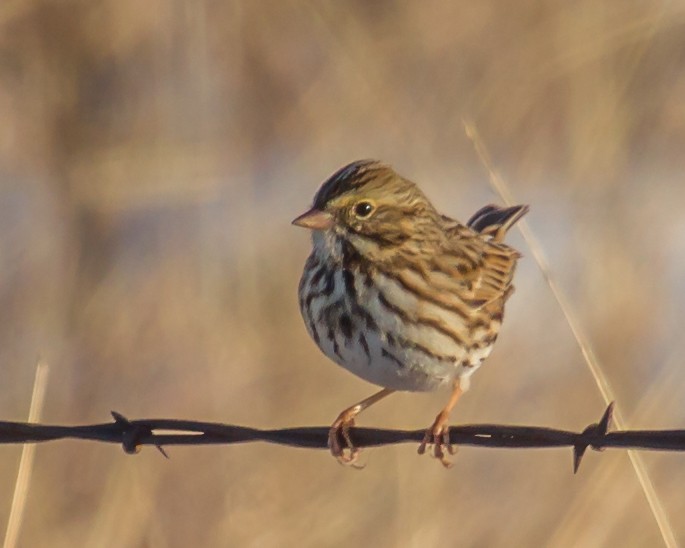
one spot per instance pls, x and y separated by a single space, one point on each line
370 205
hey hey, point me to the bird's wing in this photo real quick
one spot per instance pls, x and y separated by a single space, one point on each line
479 269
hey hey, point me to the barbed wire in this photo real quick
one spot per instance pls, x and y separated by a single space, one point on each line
133 434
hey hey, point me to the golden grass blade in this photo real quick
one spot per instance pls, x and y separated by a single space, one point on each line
21 487
581 337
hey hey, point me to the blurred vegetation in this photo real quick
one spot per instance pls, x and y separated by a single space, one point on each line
152 155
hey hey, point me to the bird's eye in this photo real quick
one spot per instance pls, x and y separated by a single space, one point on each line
363 210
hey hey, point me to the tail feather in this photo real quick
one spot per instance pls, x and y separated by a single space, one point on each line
495 221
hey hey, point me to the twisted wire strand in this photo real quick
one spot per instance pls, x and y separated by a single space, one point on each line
160 433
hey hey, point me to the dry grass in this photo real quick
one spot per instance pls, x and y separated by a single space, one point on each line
581 337
152 156
28 452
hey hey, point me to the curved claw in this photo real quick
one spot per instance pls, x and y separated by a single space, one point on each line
438 435
437 438
340 444
347 453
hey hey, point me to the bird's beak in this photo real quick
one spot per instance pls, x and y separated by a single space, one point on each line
314 219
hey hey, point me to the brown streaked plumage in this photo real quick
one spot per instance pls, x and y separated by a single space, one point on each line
400 295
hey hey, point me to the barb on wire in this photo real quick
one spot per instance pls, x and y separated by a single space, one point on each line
601 380
133 434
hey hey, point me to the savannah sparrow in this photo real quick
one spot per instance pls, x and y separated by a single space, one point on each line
400 295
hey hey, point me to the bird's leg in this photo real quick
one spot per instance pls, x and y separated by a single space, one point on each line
341 429
438 435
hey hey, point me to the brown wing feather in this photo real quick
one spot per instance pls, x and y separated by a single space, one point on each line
483 266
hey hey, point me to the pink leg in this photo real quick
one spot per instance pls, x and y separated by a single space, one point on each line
341 428
438 435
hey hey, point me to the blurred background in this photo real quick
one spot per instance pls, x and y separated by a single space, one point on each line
152 156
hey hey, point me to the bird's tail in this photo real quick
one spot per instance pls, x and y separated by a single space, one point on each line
494 221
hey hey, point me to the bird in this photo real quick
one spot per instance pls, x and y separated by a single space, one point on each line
401 295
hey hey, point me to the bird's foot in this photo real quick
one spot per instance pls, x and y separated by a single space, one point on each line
437 441
339 441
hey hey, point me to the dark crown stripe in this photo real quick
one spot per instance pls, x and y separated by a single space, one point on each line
346 178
